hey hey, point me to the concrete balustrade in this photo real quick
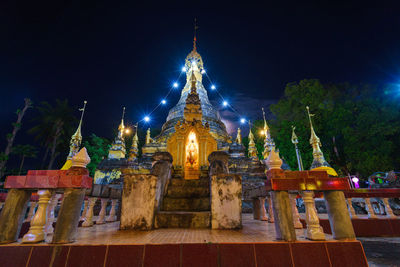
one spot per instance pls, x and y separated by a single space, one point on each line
102 214
112 217
296 216
263 216
88 220
31 213
50 213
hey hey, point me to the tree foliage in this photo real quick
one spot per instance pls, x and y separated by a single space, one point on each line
97 148
358 126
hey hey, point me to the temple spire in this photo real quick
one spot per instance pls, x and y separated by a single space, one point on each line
252 146
269 143
135 146
76 140
238 139
195 35
121 127
318 155
117 150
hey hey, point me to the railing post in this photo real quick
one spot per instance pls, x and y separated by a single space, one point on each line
314 230
102 213
368 207
270 210
388 209
89 213
31 213
112 217
256 208
13 214
352 211
36 231
296 216
263 215
50 213
283 216
339 217
85 206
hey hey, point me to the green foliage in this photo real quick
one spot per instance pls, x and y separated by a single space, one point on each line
26 151
359 122
3 157
256 128
97 148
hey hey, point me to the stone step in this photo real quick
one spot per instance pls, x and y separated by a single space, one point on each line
192 183
186 204
183 219
188 192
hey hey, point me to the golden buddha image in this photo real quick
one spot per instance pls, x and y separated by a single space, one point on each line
192 150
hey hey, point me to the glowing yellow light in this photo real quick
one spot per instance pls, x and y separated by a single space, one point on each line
127 131
262 132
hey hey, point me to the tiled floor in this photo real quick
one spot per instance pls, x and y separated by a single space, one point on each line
253 231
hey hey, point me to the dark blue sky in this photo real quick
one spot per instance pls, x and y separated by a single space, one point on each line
116 55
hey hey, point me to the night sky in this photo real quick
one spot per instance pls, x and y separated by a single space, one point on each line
116 55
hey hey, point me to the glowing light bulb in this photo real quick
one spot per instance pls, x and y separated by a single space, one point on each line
213 87
146 118
225 103
175 85
262 132
183 69
127 131
203 71
163 102
242 120
193 63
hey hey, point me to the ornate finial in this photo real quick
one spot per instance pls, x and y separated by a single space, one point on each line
81 159
148 138
76 138
239 137
117 150
121 127
193 89
274 161
295 140
252 146
318 156
269 143
195 35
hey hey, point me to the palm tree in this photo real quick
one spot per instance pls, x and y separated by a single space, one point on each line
25 151
54 126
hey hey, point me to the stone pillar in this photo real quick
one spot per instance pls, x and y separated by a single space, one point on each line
296 217
388 209
263 216
339 218
256 209
283 216
85 206
89 213
112 216
270 210
68 217
36 231
102 213
13 214
226 201
368 207
352 212
314 230
138 200
31 212
48 229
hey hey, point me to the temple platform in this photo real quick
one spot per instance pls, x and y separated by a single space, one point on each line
254 245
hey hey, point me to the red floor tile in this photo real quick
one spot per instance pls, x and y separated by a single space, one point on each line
239 255
44 255
162 255
346 254
395 223
86 256
276 254
15 256
199 255
125 255
309 254
372 227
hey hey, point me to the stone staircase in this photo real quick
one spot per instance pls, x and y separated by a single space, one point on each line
186 204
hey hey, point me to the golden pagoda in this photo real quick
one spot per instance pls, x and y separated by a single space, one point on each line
269 143
117 150
319 163
252 146
133 154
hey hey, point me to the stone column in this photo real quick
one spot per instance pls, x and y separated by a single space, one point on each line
89 213
314 230
388 209
352 211
31 212
263 216
296 217
13 214
50 213
339 218
283 216
270 210
256 208
85 206
68 217
368 207
112 216
36 231
102 213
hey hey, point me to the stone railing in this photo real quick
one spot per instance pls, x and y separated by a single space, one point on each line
374 201
50 186
280 183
